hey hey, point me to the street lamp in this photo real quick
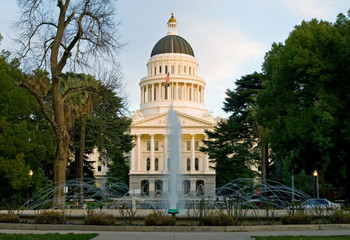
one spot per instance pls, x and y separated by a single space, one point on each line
316 190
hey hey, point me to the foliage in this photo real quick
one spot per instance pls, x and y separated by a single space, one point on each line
50 217
220 219
9 218
232 145
99 218
47 236
305 103
26 140
340 217
159 219
296 218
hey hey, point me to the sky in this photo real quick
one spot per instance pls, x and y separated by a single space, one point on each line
229 37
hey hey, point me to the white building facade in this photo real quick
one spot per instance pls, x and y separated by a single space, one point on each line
172 58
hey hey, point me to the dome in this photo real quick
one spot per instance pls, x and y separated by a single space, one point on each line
172 44
172 19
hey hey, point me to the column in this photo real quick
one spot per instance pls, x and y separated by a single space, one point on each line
152 95
192 93
205 157
141 94
192 152
132 158
165 158
152 152
175 93
146 93
138 147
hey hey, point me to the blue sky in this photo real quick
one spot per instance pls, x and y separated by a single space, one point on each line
229 37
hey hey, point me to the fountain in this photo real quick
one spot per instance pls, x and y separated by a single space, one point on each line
175 135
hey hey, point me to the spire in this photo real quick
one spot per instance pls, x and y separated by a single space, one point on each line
172 25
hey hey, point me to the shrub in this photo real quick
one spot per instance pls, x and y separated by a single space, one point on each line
99 218
50 217
297 218
340 217
9 218
159 219
218 220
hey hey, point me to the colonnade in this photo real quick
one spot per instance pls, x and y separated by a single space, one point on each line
140 154
180 91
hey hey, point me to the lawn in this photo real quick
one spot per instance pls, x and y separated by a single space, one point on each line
48 236
303 238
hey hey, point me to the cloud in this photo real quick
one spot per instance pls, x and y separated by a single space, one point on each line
310 8
223 52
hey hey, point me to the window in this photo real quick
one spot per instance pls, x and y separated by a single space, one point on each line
155 70
188 164
196 145
160 69
189 70
148 164
99 168
150 94
156 146
189 94
156 164
158 188
196 164
179 95
186 187
172 68
144 94
200 187
166 92
184 69
166 69
179 69
148 146
188 146
155 94
144 188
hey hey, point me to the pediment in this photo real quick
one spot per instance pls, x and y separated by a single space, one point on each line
160 121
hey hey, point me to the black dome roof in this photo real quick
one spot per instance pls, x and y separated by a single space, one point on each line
172 44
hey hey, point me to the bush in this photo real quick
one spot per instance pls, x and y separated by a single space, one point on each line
50 217
218 220
297 218
99 218
9 218
340 217
159 219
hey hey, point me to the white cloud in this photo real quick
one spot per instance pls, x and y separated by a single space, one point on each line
310 8
223 52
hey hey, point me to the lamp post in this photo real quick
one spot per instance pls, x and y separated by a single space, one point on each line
30 186
316 190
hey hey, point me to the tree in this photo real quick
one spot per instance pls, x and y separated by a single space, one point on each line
305 104
57 36
233 145
26 140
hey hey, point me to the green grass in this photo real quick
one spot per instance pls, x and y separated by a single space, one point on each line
48 236
347 237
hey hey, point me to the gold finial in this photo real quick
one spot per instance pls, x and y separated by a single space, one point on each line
172 14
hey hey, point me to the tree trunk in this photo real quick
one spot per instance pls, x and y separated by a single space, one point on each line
264 160
60 164
79 166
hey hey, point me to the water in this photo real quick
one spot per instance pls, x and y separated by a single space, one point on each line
174 150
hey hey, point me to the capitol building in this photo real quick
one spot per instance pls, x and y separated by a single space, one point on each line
172 80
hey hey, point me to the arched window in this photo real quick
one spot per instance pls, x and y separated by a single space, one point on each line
200 187
155 70
155 94
188 164
166 69
144 188
196 164
166 91
186 187
148 164
189 70
160 69
158 187
156 166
